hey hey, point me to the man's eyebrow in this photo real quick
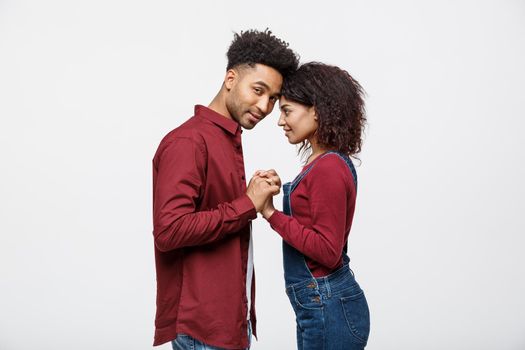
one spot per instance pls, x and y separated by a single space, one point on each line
262 83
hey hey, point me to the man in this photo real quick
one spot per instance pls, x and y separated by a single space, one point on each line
202 209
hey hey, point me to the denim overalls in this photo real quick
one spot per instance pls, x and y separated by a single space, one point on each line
331 311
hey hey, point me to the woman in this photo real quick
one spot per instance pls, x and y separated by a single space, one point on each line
322 109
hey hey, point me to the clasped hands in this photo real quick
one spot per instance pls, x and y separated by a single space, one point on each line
262 187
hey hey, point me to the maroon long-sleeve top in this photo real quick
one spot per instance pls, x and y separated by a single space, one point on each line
323 205
201 218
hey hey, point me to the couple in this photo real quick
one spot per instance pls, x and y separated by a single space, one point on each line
202 208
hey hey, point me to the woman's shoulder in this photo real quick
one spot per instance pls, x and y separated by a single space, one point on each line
330 175
332 160
330 166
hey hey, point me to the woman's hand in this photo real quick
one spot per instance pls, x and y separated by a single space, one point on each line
268 208
273 179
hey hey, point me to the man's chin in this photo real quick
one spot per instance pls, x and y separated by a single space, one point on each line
247 124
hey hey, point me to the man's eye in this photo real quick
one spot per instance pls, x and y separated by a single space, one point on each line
257 91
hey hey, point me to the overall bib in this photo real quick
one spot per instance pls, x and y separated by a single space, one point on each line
331 311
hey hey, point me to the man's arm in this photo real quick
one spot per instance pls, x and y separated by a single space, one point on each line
178 187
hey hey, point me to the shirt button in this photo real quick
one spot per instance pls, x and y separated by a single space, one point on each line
242 177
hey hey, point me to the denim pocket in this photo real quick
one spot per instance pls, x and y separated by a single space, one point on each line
357 315
182 342
308 299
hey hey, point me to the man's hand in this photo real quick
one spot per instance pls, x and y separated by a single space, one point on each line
259 190
273 179
270 175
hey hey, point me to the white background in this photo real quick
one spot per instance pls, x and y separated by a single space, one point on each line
88 89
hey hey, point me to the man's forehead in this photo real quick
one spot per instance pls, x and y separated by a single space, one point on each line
265 76
261 70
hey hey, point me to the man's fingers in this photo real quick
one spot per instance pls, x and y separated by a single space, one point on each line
273 190
276 180
266 173
261 179
271 182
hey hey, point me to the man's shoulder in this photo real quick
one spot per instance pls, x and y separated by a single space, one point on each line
191 129
196 132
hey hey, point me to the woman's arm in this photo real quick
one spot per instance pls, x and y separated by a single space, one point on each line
328 190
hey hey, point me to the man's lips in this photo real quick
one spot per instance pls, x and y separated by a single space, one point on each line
256 116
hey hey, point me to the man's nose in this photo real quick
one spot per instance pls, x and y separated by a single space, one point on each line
264 105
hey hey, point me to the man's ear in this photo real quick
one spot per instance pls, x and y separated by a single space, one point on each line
230 78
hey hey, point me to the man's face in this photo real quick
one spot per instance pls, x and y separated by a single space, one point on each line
252 93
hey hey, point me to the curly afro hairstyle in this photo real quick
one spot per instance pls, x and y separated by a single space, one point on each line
338 102
252 47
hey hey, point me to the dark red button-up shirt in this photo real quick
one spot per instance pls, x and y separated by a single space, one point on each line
201 218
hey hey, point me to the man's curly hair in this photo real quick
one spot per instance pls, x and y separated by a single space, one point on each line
252 47
338 102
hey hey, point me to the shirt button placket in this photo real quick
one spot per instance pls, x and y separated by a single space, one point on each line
240 160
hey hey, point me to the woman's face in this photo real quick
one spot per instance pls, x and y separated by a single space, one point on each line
298 121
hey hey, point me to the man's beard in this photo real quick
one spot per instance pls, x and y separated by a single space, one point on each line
236 112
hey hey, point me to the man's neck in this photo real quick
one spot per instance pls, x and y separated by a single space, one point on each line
218 104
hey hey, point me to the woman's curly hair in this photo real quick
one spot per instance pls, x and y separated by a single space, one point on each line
253 46
338 102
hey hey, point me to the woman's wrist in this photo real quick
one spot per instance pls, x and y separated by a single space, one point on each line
267 213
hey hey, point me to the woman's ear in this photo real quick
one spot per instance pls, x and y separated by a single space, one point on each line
314 112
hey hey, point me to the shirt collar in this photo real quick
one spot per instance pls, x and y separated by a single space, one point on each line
218 119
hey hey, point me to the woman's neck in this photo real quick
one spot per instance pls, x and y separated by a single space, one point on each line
317 150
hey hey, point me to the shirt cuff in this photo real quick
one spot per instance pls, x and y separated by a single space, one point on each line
244 207
276 218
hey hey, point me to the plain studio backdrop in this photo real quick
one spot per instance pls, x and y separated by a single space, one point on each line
89 88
